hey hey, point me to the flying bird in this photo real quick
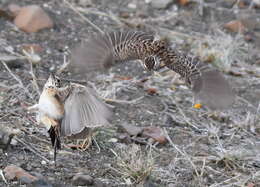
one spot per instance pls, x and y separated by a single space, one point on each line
70 111
102 51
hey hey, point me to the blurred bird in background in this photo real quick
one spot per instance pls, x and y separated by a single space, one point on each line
100 52
70 111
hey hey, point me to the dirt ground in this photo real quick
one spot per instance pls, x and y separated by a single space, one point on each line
204 151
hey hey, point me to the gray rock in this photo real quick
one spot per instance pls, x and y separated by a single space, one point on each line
82 180
161 4
25 180
40 183
98 183
5 139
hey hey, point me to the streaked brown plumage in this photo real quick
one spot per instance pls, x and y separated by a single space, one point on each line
70 111
103 50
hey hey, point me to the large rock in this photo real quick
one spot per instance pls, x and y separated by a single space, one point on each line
32 19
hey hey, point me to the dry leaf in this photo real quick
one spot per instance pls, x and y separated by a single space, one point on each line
235 26
155 133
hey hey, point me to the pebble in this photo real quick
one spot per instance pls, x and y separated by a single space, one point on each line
32 18
40 183
82 180
160 4
6 136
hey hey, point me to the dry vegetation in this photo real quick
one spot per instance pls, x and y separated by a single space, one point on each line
216 151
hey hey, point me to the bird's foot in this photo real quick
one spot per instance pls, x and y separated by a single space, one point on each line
82 145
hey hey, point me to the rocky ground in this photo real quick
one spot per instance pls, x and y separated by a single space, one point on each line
216 151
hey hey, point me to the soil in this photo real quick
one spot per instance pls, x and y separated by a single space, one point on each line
205 151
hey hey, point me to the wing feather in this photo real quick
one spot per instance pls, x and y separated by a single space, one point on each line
83 109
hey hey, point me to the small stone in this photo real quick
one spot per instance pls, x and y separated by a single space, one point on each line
235 26
25 180
161 4
98 183
6 136
82 180
40 183
32 19
132 130
43 162
132 5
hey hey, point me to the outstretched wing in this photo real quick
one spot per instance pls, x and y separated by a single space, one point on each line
103 50
83 109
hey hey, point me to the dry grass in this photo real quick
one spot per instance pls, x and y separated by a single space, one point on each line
222 49
133 164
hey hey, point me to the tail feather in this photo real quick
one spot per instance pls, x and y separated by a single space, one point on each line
55 140
101 51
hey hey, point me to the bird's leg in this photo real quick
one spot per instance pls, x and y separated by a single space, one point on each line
87 142
55 151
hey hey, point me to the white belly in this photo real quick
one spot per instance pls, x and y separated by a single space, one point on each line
49 108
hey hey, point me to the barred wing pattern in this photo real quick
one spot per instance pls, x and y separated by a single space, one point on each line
101 51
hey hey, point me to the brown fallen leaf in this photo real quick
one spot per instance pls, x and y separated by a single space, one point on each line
123 78
235 26
184 2
151 91
155 133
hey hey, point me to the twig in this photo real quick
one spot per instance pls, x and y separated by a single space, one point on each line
99 13
17 79
63 66
183 153
3 177
246 101
83 17
29 57
186 119
34 81
124 101
32 150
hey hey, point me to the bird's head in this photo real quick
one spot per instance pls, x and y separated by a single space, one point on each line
151 63
53 82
